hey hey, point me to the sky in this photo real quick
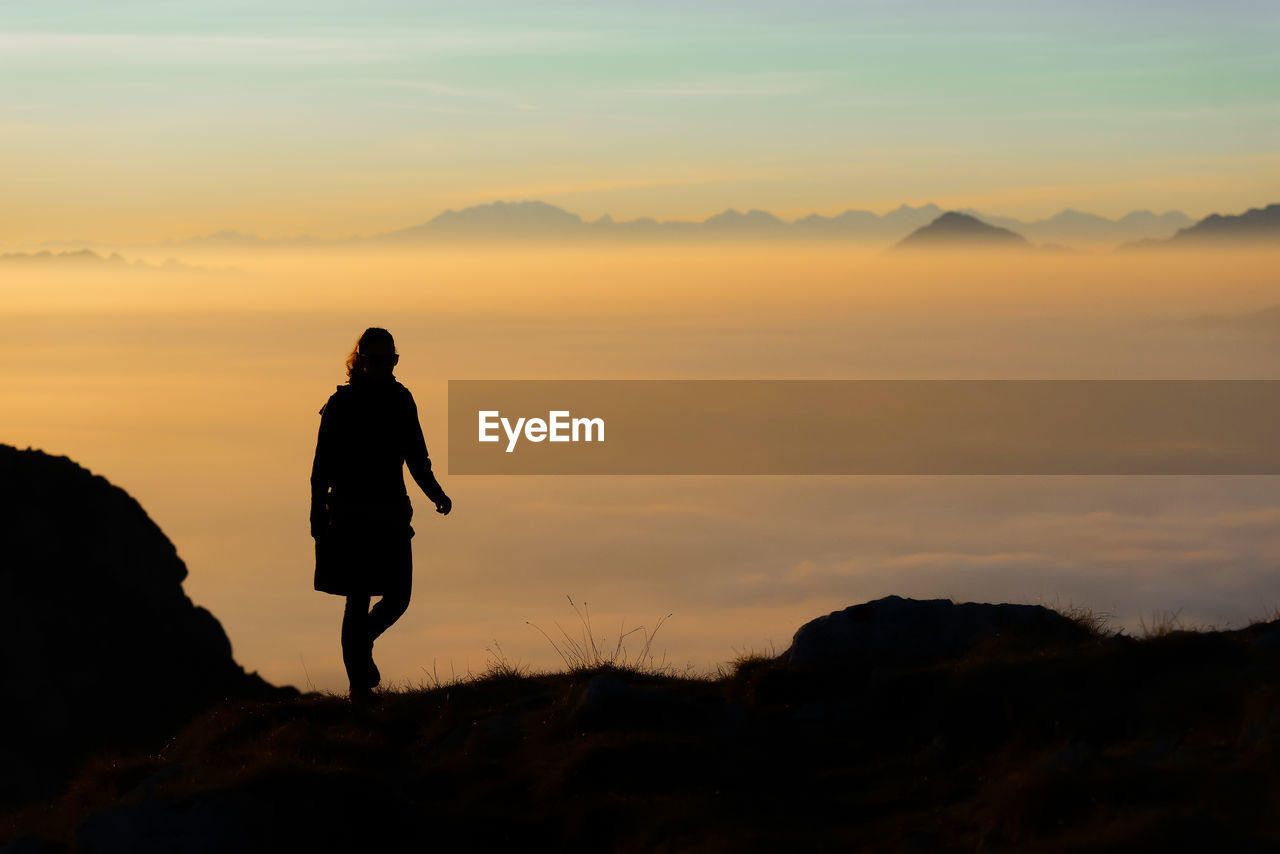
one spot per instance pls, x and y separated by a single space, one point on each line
141 121
198 392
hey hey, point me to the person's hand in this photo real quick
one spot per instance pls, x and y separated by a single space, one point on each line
443 505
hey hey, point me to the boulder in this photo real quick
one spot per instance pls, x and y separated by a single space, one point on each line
100 648
909 632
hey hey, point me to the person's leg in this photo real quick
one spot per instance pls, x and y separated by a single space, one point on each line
356 645
387 610
395 601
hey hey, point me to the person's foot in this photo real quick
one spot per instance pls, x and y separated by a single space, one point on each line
374 676
360 697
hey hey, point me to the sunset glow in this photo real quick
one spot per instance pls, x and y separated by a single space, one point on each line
147 123
190 371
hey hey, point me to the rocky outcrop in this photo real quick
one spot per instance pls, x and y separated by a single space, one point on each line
907 632
99 646
1017 738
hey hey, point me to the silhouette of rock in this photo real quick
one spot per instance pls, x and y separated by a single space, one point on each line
1030 742
612 701
231 239
1071 226
87 259
539 220
76 258
894 631
499 219
905 218
849 223
533 219
955 230
1256 226
751 221
101 648
1147 223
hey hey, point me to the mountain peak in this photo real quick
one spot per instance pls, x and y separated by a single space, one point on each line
1254 225
956 230
496 219
905 208
526 211
753 218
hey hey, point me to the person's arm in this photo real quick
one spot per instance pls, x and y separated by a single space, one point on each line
321 473
419 462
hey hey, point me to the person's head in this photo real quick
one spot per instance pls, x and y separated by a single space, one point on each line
373 358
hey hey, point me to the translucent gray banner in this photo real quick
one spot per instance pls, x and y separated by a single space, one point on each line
864 427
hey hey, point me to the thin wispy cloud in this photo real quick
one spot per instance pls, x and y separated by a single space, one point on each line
182 49
431 108
1128 111
372 44
551 189
966 559
436 88
765 83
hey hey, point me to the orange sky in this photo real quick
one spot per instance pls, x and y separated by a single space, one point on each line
290 118
198 393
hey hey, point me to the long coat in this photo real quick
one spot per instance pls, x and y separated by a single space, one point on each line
360 508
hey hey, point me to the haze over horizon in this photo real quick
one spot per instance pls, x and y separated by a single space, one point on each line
199 396
893 223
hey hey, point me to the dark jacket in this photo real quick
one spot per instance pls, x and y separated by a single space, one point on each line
368 432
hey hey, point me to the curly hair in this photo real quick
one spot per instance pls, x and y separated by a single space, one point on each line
371 335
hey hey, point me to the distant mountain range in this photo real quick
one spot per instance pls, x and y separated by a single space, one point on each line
87 259
954 229
541 220
1256 226
537 220
1078 227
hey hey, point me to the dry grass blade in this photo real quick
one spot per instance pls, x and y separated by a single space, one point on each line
588 652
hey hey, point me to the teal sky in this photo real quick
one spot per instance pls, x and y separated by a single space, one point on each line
137 121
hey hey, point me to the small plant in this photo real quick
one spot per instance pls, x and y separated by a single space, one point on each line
1163 623
1272 614
587 652
1097 622
434 681
500 667
744 660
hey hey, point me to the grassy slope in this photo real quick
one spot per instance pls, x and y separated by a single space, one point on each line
1167 742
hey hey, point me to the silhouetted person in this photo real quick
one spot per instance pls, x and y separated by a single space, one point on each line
360 510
